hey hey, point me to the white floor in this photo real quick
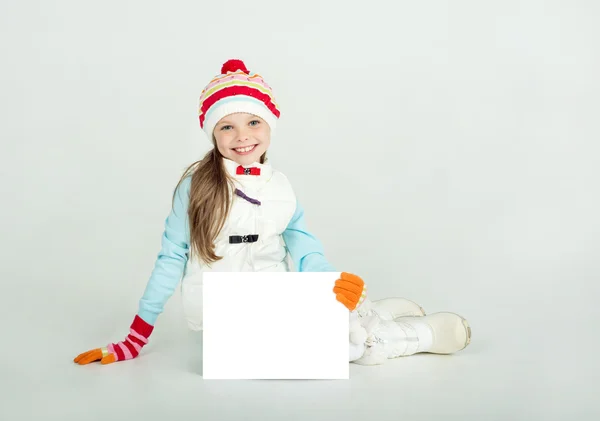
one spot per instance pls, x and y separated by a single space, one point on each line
519 367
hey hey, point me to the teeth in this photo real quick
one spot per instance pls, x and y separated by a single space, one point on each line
246 149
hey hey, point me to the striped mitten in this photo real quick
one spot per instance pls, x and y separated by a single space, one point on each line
350 290
127 349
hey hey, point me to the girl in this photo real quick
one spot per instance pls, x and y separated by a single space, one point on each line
233 212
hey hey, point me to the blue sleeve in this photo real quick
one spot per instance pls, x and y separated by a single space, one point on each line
172 257
305 249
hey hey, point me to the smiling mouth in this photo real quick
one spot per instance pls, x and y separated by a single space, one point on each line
245 149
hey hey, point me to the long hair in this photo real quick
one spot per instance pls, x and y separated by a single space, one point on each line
209 203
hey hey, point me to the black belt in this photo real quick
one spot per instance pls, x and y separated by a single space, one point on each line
237 239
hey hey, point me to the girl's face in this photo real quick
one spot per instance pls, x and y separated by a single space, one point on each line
242 137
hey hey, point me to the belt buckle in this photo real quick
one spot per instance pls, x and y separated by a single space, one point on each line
245 238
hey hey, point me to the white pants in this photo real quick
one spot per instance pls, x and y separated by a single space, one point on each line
356 350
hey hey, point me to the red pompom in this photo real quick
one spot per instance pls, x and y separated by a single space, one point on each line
234 66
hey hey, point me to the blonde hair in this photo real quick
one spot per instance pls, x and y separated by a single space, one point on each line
209 203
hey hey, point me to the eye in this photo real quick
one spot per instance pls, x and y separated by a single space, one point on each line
226 127
254 121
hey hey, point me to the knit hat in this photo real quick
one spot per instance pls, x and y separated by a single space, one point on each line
236 90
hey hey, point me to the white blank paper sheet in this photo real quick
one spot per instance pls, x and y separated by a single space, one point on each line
273 325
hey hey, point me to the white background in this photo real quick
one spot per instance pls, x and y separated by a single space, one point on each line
445 151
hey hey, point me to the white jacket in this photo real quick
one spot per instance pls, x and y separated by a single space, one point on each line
283 241
247 219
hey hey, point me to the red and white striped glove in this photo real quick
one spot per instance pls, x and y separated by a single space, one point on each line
139 332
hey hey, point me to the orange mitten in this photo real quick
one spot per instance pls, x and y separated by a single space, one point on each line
98 354
350 290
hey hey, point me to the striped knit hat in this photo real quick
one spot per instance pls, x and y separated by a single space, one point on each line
236 90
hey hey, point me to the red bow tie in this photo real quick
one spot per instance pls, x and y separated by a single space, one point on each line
247 171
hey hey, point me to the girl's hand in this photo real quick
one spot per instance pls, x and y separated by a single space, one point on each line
350 290
139 332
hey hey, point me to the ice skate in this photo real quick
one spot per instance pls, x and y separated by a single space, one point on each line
438 333
393 307
390 308
450 332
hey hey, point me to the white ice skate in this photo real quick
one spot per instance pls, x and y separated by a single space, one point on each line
390 308
450 332
393 307
438 333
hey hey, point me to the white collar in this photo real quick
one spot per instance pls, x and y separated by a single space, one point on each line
266 171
